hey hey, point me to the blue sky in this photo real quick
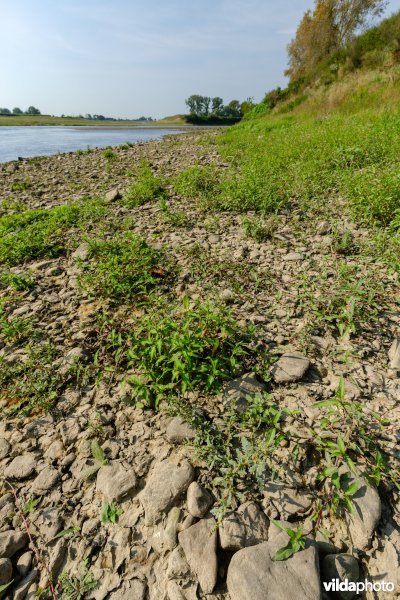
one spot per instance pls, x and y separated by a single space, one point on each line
126 58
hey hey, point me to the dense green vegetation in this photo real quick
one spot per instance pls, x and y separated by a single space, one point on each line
43 232
282 161
176 349
315 65
122 269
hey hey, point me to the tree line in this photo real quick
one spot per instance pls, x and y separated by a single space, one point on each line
32 110
205 109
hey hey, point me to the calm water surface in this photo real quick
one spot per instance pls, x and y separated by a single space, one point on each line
40 141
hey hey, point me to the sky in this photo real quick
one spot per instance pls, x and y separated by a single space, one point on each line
128 58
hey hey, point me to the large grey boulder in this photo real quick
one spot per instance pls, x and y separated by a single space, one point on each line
252 573
199 544
168 480
290 367
245 527
114 481
363 521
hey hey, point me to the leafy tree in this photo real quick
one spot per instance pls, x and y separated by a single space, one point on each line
33 111
198 105
217 105
17 111
232 109
330 26
206 105
5 111
351 15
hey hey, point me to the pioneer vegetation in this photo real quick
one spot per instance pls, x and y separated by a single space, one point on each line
200 346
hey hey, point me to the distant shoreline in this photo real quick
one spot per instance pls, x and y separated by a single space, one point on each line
46 121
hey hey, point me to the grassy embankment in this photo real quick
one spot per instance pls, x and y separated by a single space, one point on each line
333 157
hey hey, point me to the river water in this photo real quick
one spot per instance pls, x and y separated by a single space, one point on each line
40 141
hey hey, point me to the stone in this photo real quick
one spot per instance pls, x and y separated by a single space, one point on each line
287 501
113 195
82 252
171 528
199 500
73 357
57 553
23 564
5 571
253 574
239 389
394 354
69 431
114 482
341 566
4 448
45 481
90 527
49 522
21 467
245 527
363 521
182 590
117 549
199 544
130 590
290 367
178 567
22 588
178 431
11 541
168 480
383 563
293 257
227 296
55 451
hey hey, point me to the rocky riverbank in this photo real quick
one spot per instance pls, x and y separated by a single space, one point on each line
105 497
